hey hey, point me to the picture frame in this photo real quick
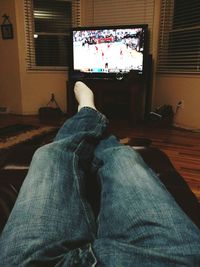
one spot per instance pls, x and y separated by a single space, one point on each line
7 31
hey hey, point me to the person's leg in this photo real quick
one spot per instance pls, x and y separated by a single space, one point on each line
139 223
51 216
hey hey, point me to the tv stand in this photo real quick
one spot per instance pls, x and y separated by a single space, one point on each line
115 98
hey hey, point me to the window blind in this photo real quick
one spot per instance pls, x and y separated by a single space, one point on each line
48 24
179 41
117 12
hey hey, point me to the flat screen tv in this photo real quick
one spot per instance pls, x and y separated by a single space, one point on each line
108 52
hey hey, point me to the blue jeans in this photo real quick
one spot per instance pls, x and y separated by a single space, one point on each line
52 223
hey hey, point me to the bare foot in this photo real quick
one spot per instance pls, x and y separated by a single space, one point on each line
84 95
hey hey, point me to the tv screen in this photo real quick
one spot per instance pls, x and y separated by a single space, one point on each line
105 52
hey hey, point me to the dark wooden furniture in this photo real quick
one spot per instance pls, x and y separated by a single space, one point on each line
114 98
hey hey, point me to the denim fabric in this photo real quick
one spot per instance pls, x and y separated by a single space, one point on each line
139 223
52 223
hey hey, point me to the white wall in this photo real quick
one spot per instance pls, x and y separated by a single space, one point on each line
37 86
24 92
10 89
170 89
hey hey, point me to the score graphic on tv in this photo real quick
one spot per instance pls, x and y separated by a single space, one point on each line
108 50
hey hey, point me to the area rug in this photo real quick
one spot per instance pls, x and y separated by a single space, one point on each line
18 145
22 133
14 129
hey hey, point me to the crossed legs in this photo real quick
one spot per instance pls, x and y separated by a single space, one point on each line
51 218
52 223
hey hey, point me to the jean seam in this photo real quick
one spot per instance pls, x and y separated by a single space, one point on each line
91 251
94 132
77 179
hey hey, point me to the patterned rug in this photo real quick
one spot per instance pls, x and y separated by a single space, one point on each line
18 142
16 134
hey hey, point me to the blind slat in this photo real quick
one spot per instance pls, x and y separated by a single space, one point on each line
117 12
48 25
179 42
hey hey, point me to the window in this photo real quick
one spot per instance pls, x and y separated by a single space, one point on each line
118 12
179 44
48 24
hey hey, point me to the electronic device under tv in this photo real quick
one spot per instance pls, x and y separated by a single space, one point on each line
110 52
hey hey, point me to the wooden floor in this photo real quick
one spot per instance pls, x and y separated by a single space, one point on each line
181 146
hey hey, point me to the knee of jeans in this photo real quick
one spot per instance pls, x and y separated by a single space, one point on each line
122 153
46 153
